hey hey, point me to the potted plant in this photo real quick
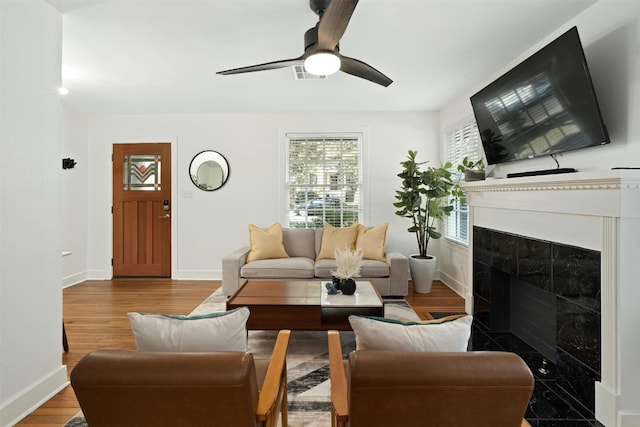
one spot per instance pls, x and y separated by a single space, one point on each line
424 198
472 170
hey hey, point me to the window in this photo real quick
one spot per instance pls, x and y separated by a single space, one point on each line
460 140
324 180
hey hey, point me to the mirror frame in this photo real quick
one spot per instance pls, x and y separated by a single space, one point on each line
201 159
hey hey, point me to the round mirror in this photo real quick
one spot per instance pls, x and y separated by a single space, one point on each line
209 170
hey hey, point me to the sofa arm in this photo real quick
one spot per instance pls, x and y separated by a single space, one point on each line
398 274
231 264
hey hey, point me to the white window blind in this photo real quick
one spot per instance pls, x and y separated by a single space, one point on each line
460 140
324 180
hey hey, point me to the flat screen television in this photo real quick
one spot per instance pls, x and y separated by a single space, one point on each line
543 106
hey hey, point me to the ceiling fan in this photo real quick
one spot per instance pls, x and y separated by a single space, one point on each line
322 54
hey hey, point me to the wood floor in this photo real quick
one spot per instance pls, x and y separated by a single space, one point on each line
95 317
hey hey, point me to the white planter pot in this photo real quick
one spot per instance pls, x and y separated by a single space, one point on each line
422 270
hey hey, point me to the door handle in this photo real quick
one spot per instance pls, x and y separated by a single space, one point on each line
165 216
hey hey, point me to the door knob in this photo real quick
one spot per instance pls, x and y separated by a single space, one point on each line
165 216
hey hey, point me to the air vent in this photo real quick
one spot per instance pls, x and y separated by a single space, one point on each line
299 73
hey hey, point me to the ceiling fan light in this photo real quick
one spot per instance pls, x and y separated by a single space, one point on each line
322 63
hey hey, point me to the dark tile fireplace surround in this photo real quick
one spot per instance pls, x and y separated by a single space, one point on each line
541 300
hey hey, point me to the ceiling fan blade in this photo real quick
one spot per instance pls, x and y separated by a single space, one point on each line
362 70
266 66
333 23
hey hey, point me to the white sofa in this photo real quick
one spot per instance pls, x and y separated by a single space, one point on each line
390 278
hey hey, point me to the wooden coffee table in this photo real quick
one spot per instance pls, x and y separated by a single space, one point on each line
303 305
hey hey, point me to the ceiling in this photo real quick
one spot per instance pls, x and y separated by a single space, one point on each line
161 56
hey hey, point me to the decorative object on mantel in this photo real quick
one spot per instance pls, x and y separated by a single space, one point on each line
348 264
472 170
424 198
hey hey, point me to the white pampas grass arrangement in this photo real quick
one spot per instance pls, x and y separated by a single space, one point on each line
348 263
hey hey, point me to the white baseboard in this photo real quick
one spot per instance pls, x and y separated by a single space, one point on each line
177 275
197 275
74 279
453 284
607 411
33 397
627 419
98 275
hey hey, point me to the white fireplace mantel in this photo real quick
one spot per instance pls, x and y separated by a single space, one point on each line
594 210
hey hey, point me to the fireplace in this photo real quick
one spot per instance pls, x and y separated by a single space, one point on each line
566 246
546 294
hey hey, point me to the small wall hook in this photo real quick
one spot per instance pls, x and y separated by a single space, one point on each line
68 163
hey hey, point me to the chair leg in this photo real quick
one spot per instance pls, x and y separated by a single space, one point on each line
65 343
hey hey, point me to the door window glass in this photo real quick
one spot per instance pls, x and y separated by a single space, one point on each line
142 172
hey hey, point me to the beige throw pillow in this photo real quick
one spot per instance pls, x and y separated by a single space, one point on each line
337 238
266 244
372 240
376 333
220 331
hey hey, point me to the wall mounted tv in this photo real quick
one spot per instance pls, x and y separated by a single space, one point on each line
543 106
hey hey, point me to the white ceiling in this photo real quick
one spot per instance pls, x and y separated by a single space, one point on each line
161 56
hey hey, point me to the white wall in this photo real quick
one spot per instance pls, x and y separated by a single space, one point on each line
30 210
208 225
74 198
610 34
253 144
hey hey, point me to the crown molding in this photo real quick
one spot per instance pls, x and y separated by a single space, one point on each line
603 180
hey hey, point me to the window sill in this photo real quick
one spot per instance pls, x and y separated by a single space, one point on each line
457 242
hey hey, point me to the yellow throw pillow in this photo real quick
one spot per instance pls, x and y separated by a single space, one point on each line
266 244
337 238
372 240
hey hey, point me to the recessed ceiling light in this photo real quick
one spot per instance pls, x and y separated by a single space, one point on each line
63 90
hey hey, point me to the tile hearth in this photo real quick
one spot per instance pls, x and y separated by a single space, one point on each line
549 405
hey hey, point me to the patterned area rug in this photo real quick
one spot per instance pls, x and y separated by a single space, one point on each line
307 362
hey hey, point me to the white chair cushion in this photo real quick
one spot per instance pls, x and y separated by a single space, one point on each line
376 333
222 331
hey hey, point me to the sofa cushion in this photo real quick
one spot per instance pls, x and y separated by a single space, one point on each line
370 268
281 268
337 238
299 242
374 268
266 244
319 232
375 333
220 331
372 241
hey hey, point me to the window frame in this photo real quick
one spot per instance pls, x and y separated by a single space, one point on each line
363 188
460 139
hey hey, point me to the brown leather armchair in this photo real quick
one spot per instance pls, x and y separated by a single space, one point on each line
127 388
394 388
